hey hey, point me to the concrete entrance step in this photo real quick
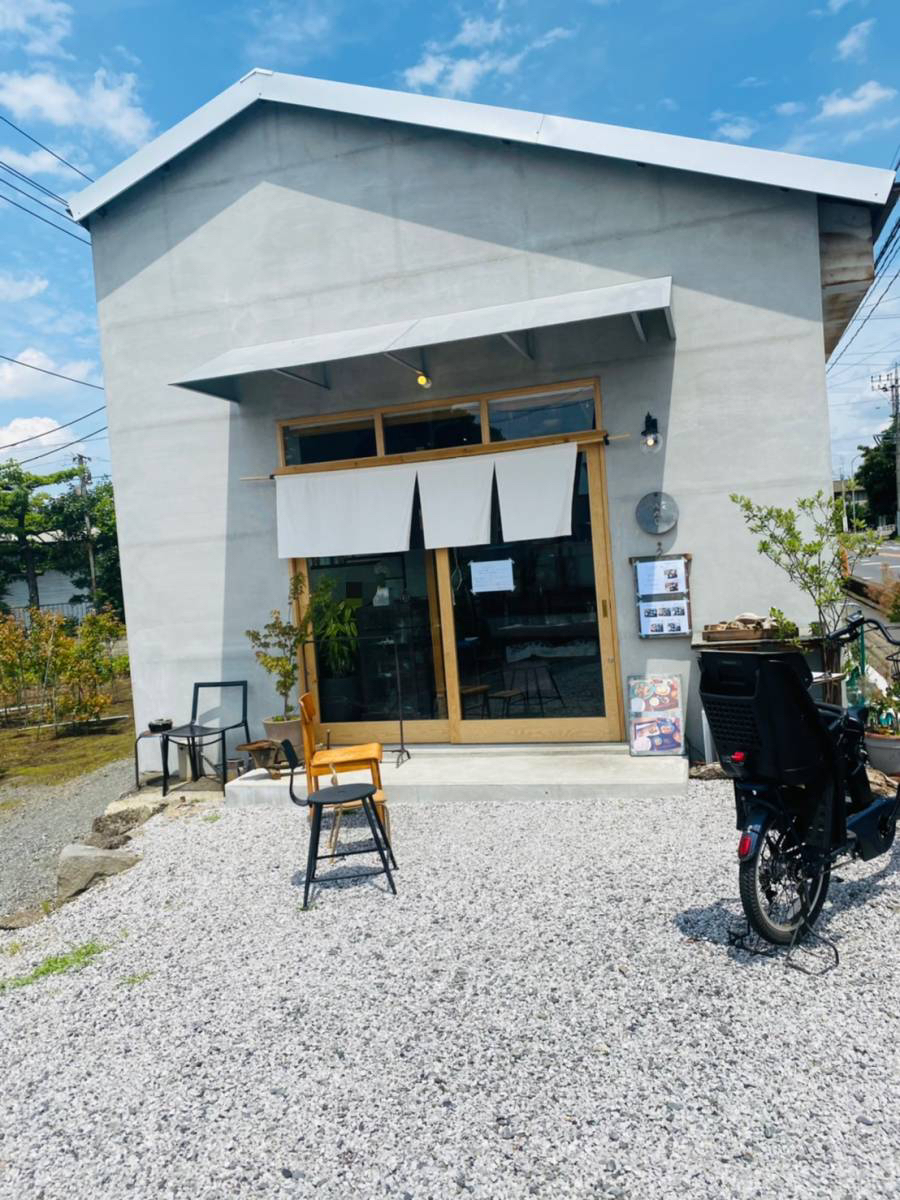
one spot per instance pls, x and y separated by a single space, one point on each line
573 772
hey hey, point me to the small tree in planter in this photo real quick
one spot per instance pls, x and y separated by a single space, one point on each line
883 727
330 622
809 544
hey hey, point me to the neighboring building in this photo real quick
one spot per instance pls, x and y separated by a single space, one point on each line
851 492
272 275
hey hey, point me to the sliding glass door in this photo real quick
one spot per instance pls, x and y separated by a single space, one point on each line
511 641
529 634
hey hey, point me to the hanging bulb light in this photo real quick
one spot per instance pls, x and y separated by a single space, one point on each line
423 380
651 438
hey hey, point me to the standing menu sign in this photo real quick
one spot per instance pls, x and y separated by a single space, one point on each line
662 587
655 714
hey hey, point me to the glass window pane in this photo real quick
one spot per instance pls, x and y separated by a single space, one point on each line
532 650
542 415
432 429
305 444
399 634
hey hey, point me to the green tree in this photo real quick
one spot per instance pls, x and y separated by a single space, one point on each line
25 518
877 475
809 544
69 513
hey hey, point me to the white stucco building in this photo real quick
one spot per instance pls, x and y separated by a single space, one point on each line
275 274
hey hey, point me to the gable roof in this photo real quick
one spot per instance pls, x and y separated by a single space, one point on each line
844 181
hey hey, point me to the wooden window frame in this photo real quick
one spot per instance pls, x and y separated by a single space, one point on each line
454 728
486 446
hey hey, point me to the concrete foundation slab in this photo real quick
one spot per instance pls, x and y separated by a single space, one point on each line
452 773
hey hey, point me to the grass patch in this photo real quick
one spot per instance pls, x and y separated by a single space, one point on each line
13 948
213 817
133 980
56 964
28 758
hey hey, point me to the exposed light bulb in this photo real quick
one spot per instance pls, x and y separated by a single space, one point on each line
423 380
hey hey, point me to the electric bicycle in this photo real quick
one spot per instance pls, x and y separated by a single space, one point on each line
802 794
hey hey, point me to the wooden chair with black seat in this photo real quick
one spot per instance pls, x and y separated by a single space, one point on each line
338 760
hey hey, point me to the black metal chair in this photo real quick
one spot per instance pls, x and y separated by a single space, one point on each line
343 795
195 735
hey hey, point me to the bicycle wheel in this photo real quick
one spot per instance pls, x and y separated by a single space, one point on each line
777 885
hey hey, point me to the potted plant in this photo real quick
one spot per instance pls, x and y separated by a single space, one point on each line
334 628
809 543
331 623
883 730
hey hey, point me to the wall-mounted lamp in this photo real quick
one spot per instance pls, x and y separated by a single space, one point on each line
651 438
423 380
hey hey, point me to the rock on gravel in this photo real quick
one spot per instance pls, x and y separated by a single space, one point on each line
550 1007
37 820
82 865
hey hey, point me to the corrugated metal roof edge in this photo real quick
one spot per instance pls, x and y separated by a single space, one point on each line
845 181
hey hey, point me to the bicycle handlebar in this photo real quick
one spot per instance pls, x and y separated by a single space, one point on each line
852 628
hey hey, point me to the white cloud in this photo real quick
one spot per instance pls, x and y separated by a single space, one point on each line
669 104
478 31
290 32
426 72
20 287
800 142
109 105
42 25
789 108
19 383
831 8
37 162
45 431
855 43
753 81
734 128
494 53
869 130
866 97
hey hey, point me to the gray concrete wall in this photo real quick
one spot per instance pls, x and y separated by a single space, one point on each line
288 223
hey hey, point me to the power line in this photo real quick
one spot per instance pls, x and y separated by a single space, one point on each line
56 449
56 375
862 325
52 224
35 200
58 157
34 183
34 436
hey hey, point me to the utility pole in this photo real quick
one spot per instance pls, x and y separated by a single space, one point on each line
889 382
85 474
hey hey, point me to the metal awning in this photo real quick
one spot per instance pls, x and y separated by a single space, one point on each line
308 358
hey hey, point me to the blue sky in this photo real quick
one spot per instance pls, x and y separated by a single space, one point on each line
95 80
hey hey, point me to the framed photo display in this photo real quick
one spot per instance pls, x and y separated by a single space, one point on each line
663 594
655 714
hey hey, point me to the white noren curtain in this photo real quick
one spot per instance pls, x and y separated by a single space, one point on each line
362 511
535 491
456 500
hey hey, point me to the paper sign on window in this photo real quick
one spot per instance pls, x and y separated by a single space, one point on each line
493 576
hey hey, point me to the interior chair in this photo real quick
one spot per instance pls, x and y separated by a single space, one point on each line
195 735
322 760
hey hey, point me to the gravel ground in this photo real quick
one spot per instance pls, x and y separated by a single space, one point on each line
550 1007
36 821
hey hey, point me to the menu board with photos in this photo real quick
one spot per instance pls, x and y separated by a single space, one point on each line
663 595
655 714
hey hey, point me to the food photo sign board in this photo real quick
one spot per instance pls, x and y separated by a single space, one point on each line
655 714
663 593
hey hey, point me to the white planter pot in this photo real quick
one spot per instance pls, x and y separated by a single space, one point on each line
884 752
277 731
